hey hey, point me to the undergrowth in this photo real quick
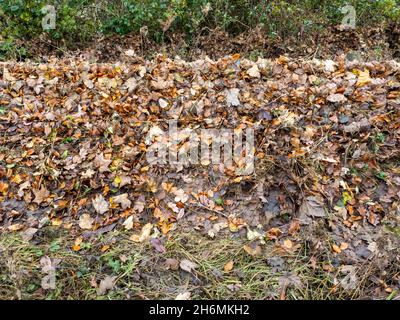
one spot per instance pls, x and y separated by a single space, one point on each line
141 273
80 22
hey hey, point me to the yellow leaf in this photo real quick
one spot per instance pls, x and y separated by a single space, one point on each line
56 222
288 244
117 181
282 60
165 227
16 179
363 77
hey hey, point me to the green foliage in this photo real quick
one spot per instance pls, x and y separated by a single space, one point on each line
78 21
22 19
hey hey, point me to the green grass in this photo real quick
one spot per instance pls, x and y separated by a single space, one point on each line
141 273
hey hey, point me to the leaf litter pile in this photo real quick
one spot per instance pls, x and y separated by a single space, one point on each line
324 198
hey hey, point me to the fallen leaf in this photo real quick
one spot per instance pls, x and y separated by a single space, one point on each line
312 206
288 244
172 264
336 97
130 52
40 195
100 205
15 227
181 196
101 163
144 234
330 66
253 235
28 234
252 249
85 221
139 205
254 72
128 223
183 296
3 188
163 103
232 97
123 200
188 265
157 244
361 125
336 248
363 77
229 266
106 285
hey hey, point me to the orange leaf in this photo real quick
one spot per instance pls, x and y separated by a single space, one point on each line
229 266
336 249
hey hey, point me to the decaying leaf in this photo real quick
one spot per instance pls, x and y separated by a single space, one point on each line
312 206
128 223
188 265
28 234
172 264
41 195
106 285
100 204
253 249
123 200
232 97
101 163
85 221
144 234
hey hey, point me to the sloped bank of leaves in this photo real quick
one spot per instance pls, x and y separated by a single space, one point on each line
74 138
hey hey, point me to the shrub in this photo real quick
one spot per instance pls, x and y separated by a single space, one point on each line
79 21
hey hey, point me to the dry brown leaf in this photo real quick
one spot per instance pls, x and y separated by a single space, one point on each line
229 266
106 285
41 195
144 234
101 163
123 200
